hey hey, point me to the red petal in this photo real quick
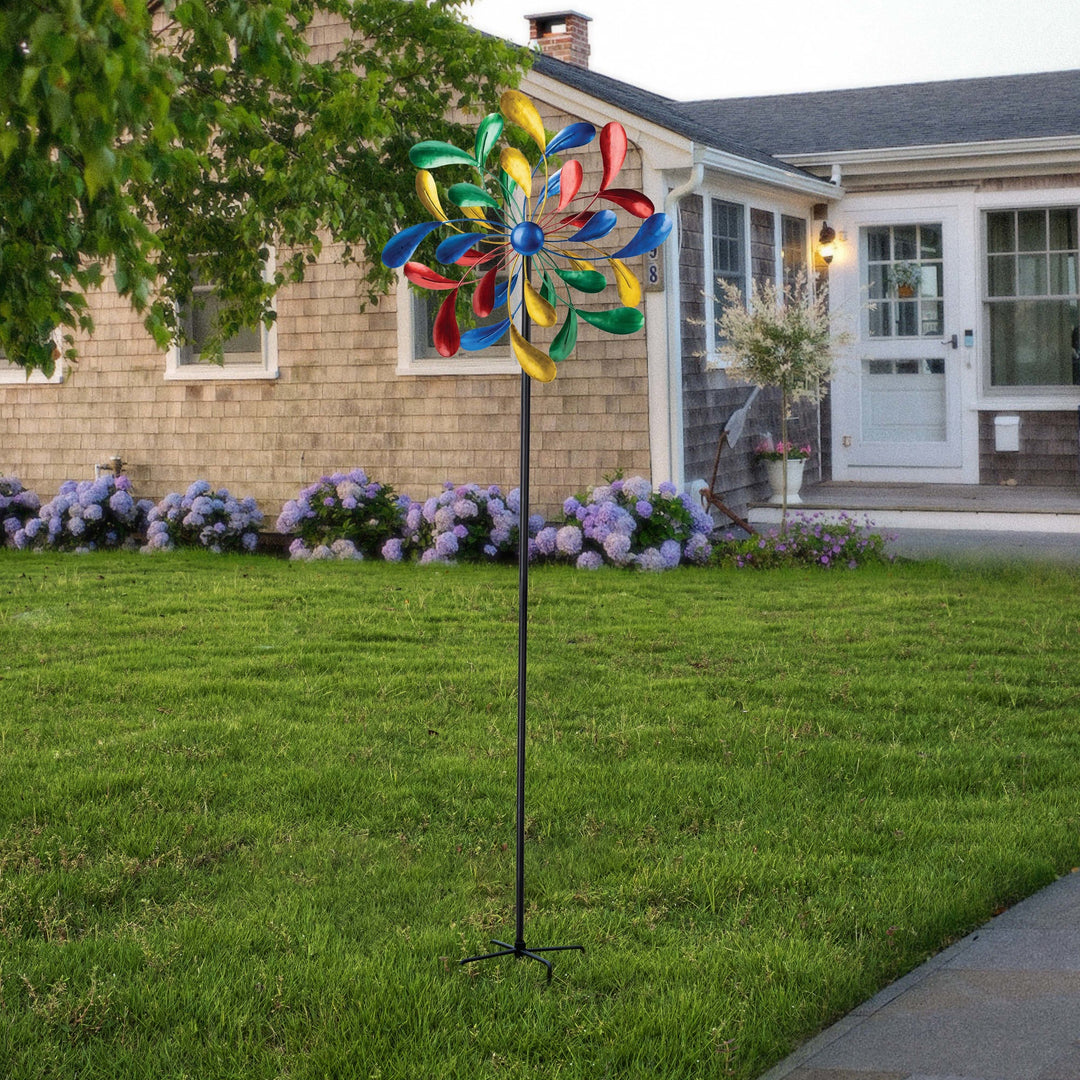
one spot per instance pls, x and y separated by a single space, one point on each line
575 221
483 299
426 278
633 201
569 182
471 258
612 150
445 335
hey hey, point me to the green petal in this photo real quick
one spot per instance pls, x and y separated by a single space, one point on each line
547 290
565 339
586 281
623 320
470 195
432 154
487 135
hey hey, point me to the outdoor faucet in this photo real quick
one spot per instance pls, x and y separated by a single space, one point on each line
114 465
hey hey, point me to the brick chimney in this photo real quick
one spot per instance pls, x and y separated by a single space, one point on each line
562 34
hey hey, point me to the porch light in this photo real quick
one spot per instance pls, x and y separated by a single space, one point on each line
827 243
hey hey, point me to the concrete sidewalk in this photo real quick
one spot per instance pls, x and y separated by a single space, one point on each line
1002 1004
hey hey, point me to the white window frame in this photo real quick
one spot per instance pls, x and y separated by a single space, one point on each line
749 199
497 360
177 370
12 374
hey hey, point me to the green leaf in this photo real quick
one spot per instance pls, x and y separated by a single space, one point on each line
98 167
434 154
622 320
586 281
566 339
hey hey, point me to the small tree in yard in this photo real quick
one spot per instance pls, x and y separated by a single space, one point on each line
781 338
175 141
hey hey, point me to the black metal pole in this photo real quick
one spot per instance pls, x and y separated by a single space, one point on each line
519 949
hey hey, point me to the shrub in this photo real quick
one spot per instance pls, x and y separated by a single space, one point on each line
17 507
464 522
203 517
626 523
344 515
87 515
808 540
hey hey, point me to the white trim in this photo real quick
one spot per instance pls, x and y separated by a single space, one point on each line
936 152
203 371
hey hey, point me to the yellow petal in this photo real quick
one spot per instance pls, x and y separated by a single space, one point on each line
582 264
428 194
476 213
518 109
628 285
540 311
536 364
516 165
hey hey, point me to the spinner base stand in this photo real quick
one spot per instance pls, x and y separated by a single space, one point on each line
519 948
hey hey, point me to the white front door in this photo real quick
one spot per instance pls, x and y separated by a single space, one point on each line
897 396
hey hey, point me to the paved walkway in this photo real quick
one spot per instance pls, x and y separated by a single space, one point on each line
1002 1004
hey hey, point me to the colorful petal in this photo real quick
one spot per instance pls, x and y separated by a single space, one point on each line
445 334
426 278
633 201
547 290
470 195
540 311
579 134
518 109
570 182
480 337
487 135
454 247
598 226
565 339
536 364
428 194
627 283
433 154
612 150
652 233
399 249
516 165
623 320
483 299
586 281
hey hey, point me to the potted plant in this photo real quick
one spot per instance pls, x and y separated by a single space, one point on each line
905 279
782 338
784 464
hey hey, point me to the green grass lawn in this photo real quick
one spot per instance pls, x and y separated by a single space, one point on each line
252 813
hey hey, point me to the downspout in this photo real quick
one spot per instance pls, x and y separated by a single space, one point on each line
674 394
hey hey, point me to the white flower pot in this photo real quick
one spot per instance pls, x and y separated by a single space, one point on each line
775 471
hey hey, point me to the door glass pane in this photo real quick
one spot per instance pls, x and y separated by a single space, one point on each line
905 242
930 246
879 286
881 319
907 318
931 280
877 245
905 279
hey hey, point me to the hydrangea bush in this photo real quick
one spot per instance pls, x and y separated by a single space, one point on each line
344 516
17 507
87 515
626 523
463 522
203 517
808 540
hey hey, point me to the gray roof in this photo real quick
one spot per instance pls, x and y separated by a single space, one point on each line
662 111
917 114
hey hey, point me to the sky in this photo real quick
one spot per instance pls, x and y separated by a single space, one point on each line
689 49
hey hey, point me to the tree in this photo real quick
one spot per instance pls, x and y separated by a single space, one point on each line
175 141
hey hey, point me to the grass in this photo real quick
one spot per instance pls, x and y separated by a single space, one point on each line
253 812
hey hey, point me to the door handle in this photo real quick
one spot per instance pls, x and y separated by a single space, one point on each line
954 341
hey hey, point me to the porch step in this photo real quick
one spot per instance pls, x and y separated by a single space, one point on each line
945 507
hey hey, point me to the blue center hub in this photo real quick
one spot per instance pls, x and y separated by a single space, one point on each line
527 238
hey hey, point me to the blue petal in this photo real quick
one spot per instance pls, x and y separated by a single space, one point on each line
399 249
579 134
554 184
600 224
652 233
453 247
482 336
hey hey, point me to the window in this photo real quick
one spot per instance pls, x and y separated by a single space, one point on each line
250 354
728 249
793 250
10 372
1033 297
905 277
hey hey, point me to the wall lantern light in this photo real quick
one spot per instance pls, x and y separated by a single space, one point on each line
827 243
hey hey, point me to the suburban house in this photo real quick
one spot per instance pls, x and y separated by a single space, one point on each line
954 207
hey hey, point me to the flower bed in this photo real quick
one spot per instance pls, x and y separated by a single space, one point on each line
202 517
17 507
87 515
